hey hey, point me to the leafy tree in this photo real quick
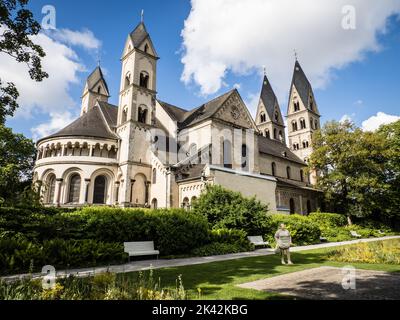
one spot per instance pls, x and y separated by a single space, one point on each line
17 155
352 168
391 200
228 209
17 27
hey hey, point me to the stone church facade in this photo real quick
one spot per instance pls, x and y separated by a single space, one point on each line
149 153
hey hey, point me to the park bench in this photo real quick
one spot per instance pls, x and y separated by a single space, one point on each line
355 234
257 241
144 248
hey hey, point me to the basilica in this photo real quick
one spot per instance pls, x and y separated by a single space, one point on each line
150 153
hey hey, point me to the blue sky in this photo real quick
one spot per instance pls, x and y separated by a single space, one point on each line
358 86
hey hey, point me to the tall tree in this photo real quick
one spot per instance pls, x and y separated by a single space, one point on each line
17 26
352 167
17 155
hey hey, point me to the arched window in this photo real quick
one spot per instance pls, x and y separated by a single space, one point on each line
99 89
99 190
144 79
301 175
185 203
273 168
302 123
154 180
288 172
227 153
142 115
51 189
276 116
305 144
292 206
194 198
74 189
245 152
124 115
127 80
280 136
312 123
146 48
267 134
316 125
275 134
294 125
311 103
154 203
263 117
297 106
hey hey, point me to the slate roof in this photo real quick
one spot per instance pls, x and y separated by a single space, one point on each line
189 172
277 149
269 99
187 118
95 123
295 184
94 78
302 84
139 35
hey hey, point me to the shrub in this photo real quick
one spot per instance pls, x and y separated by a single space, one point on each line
328 219
230 210
217 248
302 230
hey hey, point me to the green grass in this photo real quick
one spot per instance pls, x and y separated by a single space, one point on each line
218 280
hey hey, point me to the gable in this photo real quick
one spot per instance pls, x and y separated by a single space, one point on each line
234 111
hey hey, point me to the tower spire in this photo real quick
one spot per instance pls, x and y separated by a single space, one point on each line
296 55
142 16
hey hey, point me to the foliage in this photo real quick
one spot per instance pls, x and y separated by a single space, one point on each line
16 41
218 248
302 230
106 286
387 252
92 236
328 219
228 209
358 170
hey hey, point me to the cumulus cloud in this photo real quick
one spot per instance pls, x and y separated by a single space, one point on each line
85 39
222 36
57 121
381 118
51 96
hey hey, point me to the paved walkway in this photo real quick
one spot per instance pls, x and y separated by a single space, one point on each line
164 263
329 283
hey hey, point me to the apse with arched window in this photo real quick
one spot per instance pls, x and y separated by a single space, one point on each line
99 190
51 187
154 203
74 188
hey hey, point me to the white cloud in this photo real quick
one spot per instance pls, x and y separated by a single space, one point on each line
51 96
346 118
381 118
58 121
222 36
359 102
85 39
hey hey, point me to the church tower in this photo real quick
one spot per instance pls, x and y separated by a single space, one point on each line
269 118
136 116
303 117
96 89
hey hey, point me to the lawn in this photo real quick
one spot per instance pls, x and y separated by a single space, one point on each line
218 280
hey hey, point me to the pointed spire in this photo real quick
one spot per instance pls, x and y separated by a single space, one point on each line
268 97
142 16
95 78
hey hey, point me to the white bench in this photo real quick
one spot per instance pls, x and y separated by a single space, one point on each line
355 234
257 241
144 248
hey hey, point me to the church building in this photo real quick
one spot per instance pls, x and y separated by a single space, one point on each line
149 153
